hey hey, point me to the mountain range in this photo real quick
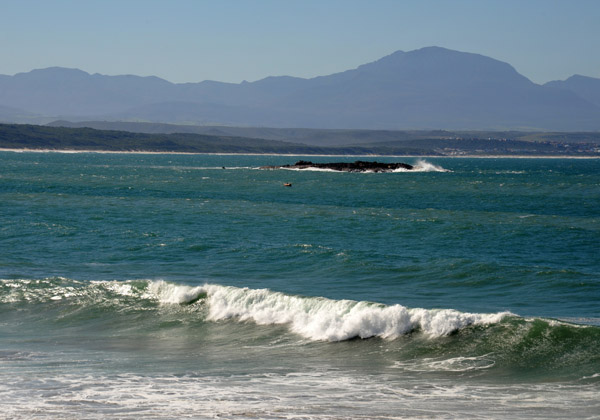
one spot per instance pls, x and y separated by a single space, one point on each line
429 88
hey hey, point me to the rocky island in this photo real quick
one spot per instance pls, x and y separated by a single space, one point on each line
357 166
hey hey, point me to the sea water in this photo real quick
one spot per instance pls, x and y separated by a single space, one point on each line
170 286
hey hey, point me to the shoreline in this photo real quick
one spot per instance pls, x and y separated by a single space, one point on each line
139 152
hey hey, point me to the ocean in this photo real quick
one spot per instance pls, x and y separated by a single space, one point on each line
165 286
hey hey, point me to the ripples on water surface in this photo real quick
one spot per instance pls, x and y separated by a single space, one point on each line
166 286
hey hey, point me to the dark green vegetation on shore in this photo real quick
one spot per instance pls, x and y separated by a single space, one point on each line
441 143
62 138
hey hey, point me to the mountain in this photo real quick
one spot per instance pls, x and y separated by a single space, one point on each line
60 91
8 113
429 88
587 88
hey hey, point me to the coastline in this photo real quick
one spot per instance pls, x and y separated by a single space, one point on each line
140 152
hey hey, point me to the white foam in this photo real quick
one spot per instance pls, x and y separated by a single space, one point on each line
454 364
311 169
424 166
316 394
314 318
320 318
172 293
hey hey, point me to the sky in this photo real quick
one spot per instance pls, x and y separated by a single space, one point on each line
231 41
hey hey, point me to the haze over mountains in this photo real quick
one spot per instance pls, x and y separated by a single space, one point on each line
430 88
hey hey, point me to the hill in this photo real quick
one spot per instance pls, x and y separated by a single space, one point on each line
587 88
35 137
429 88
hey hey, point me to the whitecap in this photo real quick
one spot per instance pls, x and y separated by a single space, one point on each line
319 318
424 166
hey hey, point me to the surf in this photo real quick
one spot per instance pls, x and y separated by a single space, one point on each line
231 318
312 317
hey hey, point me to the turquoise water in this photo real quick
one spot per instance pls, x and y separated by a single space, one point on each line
162 286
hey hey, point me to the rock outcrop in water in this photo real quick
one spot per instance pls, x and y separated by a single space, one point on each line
357 166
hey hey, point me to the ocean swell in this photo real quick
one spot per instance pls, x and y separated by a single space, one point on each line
315 318
319 318
436 339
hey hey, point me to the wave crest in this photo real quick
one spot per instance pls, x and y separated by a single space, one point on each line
335 320
315 318
171 293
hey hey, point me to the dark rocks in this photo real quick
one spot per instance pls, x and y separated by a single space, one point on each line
357 166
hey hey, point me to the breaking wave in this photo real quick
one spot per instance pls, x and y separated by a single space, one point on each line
435 339
334 320
315 318
424 166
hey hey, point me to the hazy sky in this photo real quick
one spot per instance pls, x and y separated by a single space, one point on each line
231 41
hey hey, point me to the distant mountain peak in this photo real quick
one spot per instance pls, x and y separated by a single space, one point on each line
440 65
586 87
580 77
53 72
430 87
